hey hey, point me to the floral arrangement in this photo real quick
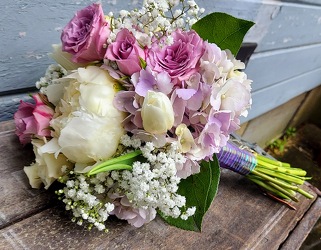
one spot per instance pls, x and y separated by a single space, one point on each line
135 112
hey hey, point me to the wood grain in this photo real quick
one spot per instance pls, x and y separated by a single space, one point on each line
273 67
240 217
17 199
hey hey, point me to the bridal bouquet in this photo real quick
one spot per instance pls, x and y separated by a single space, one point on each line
133 115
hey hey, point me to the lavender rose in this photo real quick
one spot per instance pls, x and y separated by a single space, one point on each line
126 52
85 36
179 60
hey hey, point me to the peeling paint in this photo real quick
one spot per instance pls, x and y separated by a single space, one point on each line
22 34
287 39
276 12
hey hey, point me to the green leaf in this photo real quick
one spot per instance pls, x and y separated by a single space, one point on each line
199 190
118 163
224 30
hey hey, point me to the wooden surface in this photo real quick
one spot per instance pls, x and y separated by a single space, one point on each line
240 217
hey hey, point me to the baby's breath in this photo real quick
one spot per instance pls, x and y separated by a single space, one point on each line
153 183
80 195
53 72
157 19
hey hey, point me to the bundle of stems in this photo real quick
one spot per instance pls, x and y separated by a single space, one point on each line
278 179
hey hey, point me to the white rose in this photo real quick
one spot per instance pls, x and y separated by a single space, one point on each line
89 127
86 138
157 113
47 167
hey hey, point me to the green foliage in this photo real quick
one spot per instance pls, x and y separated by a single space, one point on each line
290 132
199 190
279 144
224 30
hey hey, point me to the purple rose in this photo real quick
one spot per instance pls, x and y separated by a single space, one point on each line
85 36
126 52
179 60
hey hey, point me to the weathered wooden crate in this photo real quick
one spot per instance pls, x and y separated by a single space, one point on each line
240 217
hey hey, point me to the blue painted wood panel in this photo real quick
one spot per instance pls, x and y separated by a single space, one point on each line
285 64
28 28
269 68
275 95
279 24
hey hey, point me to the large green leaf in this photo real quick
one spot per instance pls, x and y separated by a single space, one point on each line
199 190
224 30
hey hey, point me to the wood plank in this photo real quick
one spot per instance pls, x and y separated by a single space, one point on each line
279 24
271 68
300 233
239 218
310 109
271 97
17 199
9 105
313 2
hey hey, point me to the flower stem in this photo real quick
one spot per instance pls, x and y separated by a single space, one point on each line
268 187
275 167
272 161
282 184
280 175
279 179
284 191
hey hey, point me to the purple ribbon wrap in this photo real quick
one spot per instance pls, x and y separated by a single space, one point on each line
236 159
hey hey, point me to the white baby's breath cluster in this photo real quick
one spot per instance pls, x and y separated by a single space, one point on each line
80 195
153 184
156 19
53 72
150 186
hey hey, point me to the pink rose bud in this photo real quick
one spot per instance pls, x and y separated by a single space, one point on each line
32 119
25 122
85 36
126 52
